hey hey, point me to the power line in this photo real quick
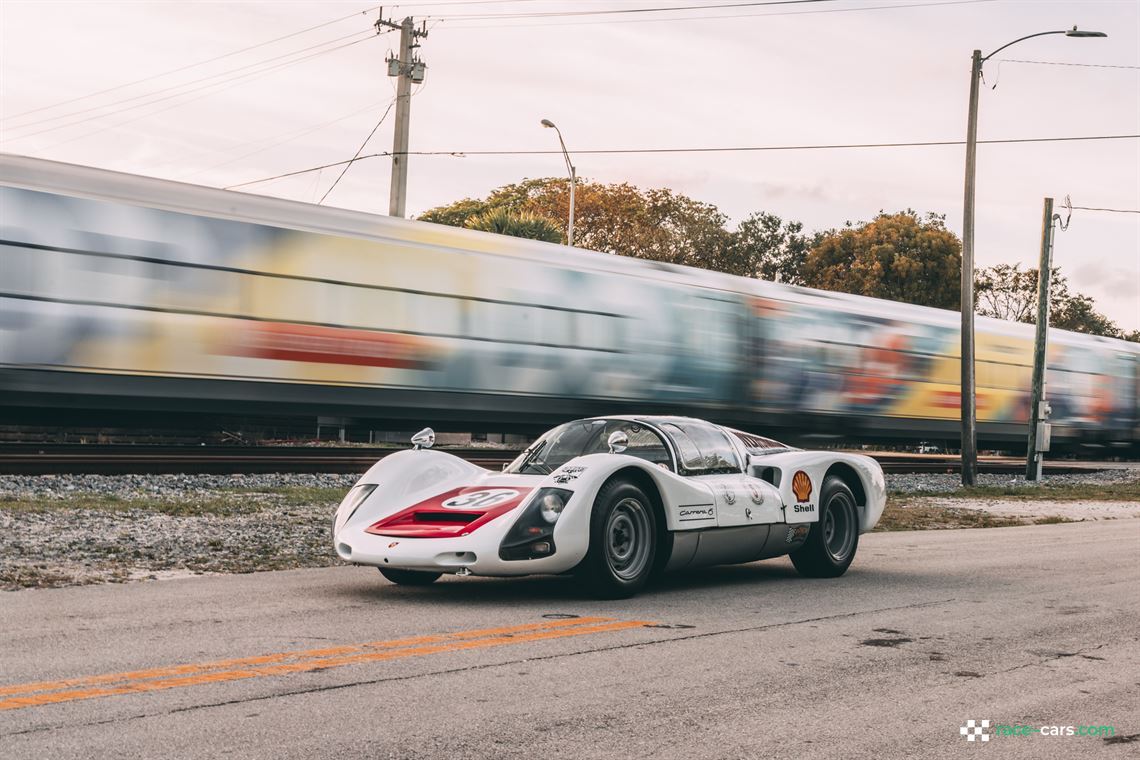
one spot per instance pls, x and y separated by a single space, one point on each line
623 11
222 85
596 151
1112 210
194 65
279 139
1065 63
358 152
220 75
675 19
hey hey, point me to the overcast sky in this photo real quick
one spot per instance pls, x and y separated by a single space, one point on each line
836 71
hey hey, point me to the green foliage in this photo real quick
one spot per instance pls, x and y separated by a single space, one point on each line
1077 313
1007 292
521 224
1010 292
900 257
766 247
655 224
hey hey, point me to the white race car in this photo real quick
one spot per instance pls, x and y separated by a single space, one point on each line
614 499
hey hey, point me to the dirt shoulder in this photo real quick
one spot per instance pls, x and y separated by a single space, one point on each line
79 529
1015 503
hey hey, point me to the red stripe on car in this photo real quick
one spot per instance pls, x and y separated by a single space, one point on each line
457 512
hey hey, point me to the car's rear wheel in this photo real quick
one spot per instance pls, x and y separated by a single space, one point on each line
831 542
623 541
409 577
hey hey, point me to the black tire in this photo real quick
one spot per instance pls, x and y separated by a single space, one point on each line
409 577
831 542
623 541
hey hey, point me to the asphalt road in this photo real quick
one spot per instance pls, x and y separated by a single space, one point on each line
1019 626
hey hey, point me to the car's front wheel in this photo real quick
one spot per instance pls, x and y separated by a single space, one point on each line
831 543
623 541
409 577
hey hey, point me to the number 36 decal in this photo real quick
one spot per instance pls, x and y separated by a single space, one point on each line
480 499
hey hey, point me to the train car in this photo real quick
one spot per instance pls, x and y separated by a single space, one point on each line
135 298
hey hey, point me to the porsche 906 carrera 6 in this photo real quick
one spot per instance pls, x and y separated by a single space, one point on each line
616 500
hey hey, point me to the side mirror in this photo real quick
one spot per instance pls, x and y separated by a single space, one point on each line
424 439
618 442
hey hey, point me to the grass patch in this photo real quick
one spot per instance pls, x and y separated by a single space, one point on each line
15 577
226 502
294 495
1053 520
1126 491
917 516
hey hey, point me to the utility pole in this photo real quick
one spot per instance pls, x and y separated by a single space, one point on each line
969 405
1039 428
968 401
409 69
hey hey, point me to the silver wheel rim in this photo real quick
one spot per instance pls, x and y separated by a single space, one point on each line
839 527
628 536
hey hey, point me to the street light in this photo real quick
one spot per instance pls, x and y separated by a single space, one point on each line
573 178
968 400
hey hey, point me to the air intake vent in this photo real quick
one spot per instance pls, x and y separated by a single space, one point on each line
454 518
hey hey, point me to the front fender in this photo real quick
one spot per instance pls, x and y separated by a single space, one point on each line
405 478
586 475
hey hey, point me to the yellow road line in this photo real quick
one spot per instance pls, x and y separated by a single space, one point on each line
309 660
282 656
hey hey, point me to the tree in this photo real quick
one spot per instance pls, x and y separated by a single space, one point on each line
517 224
655 224
1078 313
1010 292
766 247
1007 292
900 257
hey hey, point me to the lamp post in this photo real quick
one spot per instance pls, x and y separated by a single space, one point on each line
573 179
968 400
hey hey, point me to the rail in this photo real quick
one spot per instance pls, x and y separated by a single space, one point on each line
125 459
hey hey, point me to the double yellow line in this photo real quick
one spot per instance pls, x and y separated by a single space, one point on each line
283 663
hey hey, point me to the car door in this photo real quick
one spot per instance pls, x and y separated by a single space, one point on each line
709 457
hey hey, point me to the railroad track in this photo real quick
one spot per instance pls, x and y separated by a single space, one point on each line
124 459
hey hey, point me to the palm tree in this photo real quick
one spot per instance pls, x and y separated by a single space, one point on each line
521 224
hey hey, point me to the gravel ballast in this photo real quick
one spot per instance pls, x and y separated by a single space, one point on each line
60 530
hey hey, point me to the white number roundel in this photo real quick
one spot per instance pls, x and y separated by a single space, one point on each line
480 499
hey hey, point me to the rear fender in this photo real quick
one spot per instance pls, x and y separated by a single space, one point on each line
800 494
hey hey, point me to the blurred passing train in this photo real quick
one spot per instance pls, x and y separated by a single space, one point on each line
146 299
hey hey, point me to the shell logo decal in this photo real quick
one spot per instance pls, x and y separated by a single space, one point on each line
801 485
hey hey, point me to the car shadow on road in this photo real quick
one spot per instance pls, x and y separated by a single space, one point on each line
774 576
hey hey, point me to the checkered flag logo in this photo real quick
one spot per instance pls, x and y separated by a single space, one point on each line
975 730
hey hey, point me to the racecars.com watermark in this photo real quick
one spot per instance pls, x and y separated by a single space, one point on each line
984 730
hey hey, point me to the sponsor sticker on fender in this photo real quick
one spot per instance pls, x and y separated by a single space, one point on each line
801 485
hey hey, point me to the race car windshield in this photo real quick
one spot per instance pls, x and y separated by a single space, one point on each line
575 439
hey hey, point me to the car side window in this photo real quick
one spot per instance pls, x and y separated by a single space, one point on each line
704 449
645 444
